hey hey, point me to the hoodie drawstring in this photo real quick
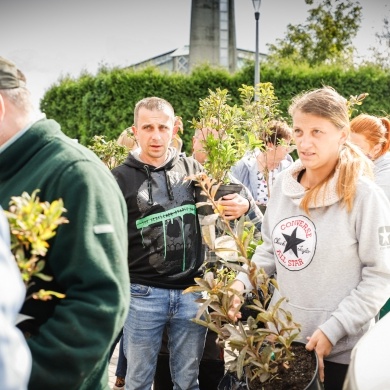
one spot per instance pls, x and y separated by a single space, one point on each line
168 183
150 200
169 187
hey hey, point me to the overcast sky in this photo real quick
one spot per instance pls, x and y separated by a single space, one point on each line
51 38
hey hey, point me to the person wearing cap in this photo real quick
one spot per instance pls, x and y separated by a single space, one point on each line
69 338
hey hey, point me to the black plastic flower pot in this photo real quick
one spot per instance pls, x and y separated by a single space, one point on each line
230 381
314 383
224 189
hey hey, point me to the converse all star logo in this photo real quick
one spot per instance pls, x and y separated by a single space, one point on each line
384 235
294 242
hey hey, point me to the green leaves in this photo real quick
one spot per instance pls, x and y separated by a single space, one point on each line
229 131
110 152
261 346
356 100
33 224
325 38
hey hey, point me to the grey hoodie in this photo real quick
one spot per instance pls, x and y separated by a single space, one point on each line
382 173
332 266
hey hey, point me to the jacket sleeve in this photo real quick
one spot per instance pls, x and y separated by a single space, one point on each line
88 259
253 214
372 223
241 172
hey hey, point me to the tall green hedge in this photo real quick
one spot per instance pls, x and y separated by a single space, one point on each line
103 104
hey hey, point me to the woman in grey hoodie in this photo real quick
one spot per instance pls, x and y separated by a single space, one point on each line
326 235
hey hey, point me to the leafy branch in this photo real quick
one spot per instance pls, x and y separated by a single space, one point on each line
261 347
355 100
33 224
110 152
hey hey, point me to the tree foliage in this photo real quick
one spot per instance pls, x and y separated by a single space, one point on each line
381 52
104 104
325 37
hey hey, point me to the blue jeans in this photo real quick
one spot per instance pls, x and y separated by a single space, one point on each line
122 362
151 309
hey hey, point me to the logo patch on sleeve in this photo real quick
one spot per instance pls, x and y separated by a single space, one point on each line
294 241
100 229
384 235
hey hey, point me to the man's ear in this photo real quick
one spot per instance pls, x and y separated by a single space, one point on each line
177 125
2 108
175 129
134 130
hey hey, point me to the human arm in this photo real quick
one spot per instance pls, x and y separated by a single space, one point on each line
234 206
370 221
15 357
88 261
252 210
321 344
240 171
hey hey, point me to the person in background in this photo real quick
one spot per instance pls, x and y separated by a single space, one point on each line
15 357
326 234
125 139
258 170
69 338
165 251
212 365
372 135
130 142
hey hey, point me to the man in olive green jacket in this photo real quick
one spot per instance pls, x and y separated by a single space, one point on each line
69 338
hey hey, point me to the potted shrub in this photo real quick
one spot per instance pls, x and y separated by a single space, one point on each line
230 131
263 350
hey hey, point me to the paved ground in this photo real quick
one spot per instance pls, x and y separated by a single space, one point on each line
112 367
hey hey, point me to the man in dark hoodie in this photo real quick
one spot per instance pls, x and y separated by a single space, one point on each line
165 250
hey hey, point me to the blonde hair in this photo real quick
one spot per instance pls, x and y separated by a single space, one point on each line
125 139
374 129
328 104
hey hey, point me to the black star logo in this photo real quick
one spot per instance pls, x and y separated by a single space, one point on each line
292 242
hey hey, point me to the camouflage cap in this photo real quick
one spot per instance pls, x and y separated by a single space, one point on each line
10 75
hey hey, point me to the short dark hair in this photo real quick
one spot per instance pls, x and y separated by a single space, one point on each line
10 76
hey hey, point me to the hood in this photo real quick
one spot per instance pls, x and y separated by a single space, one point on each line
382 163
294 190
134 162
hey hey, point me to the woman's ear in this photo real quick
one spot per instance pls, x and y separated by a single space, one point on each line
343 137
376 150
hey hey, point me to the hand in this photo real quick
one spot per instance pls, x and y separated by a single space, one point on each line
322 346
234 206
233 313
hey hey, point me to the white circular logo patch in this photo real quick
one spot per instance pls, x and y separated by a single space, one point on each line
294 240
